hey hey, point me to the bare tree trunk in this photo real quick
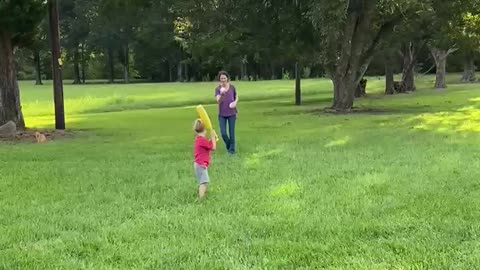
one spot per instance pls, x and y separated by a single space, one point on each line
389 78
57 66
468 68
187 77
126 64
84 76
180 71
441 64
298 90
343 93
353 60
360 89
244 73
10 107
409 61
272 70
76 67
170 74
38 67
111 65
440 57
408 77
256 68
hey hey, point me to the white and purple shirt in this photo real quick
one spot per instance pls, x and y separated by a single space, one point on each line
224 109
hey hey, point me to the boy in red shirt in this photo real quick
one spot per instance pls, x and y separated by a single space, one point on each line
201 151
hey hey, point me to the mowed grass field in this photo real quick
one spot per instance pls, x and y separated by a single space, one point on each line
398 188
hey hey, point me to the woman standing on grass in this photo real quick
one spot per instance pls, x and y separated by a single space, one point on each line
227 100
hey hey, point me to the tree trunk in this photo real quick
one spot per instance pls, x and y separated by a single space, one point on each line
187 77
244 73
241 71
408 77
298 91
468 69
256 76
38 67
76 67
170 73
10 108
57 66
111 65
440 56
409 60
356 50
441 73
389 76
180 71
343 92
361 89
126 64
272 70
84 76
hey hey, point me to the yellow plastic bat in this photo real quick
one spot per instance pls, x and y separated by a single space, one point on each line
202 113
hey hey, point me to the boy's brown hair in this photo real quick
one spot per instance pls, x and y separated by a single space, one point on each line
198 126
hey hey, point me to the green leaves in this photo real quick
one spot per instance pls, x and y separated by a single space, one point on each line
21 17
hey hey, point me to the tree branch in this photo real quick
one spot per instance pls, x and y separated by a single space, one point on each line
420 46
384 30
452 50
430 69
439 56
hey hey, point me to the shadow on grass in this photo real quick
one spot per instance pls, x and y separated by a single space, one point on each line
402 115
358 110
373 104
127 103
305 101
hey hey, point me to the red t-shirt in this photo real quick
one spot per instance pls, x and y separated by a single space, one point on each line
201 151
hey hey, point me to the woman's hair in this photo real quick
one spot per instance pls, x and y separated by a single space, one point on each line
198 126
223 72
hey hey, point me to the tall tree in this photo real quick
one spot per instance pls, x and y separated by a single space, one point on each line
155 48
38 48
446 18
467 37
350 32
18 22
116 23
412 39
76 20
104 38
232 35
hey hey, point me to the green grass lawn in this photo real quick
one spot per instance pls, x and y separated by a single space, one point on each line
396 189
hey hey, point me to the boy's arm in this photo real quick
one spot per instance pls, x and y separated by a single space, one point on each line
213 139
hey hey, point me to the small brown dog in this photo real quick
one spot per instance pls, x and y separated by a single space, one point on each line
40 137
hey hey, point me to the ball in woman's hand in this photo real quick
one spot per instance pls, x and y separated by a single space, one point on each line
232 105
223 90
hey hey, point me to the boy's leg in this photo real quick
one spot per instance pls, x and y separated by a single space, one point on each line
203 179
231 129
202 189
223 130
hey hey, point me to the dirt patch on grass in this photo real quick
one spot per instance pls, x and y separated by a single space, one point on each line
355 111
377 111
28 136
329 111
